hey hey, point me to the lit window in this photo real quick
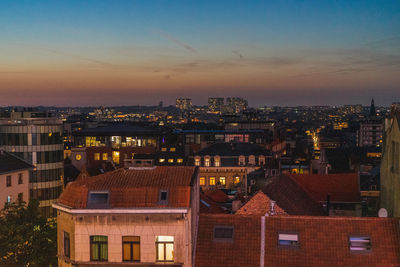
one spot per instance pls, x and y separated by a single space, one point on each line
105 156
197 161
172 149
202 180
67 243
163 149
217 161
360 243
223 233
288 240
179 160
170 160
212 181
252 160
242 161
207 161
78 157
96 156
8 199
236 180
165 248
161 160
222 180
99 248
131 248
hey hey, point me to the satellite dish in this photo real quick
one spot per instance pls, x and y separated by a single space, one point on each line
382 213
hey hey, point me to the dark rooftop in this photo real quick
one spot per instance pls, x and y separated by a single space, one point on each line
11 163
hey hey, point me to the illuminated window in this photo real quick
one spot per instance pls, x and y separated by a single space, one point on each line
217 161
115 157
96 156
131 248
161 160
222 180
242 161
78 157
172 149
288 240
212 181
197 161
163 149
360 243
165 248
202 180
179 160
261 160
105 156
252 160
236 180
171 160
207 161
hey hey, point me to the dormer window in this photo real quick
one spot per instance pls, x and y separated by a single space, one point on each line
223 233
98 199
242 160
197 161
217 161
261 160
163 198
207 161
252 160
360 243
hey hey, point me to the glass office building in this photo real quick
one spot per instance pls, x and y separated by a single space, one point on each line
37 138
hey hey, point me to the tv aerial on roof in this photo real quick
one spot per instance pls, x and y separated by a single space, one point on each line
382 213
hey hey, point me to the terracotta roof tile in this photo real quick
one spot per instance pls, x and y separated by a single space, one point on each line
324 241
259 205
342 187
217 195
291 197
134 188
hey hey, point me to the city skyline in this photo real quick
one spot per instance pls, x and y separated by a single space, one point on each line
130 53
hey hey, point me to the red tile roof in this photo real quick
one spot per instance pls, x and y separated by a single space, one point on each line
217 195
207 205
324 241
291 197
342 187
259 205
135 188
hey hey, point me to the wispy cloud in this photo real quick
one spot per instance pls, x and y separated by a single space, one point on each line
236 52
176 41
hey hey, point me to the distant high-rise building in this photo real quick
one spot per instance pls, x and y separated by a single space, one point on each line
372 111
36 137
184 103
370 133
215 104
236 104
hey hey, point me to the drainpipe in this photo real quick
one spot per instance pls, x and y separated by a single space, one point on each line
262 247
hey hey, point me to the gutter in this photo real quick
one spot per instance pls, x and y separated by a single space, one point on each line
120 211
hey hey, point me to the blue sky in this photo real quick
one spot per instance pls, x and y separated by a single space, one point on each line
273 52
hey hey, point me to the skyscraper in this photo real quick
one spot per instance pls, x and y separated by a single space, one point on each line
184 103
215 104
37 138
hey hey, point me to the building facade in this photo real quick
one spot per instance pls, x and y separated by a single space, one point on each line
390 166
14 178
136 216
36 137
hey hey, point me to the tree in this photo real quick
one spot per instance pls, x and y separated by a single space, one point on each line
27 238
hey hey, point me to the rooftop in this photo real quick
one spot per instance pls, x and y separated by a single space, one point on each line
134 188
11 163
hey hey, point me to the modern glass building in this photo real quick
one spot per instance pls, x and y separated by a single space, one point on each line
37 138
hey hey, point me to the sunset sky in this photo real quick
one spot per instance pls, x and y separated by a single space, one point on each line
70 53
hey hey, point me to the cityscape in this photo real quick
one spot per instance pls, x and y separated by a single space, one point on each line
146 133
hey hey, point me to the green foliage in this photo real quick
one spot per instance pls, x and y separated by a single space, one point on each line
26 238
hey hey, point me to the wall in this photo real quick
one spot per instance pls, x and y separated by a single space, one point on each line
15 188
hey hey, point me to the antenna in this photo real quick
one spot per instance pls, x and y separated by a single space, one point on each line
382 213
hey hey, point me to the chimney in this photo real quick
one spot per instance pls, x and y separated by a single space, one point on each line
272 208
